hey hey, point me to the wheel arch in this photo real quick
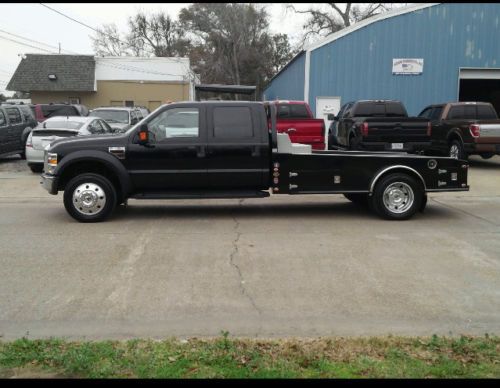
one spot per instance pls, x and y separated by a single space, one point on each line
454 134
398 168
94 162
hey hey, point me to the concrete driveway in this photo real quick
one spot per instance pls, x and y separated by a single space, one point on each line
281 266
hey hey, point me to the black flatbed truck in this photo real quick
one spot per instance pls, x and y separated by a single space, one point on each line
227 149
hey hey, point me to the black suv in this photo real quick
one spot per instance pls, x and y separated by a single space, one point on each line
16 123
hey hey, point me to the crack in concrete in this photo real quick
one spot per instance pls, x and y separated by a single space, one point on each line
233 264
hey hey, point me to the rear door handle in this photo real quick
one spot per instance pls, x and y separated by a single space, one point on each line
291 130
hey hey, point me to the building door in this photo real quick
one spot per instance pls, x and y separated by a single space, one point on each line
480 85
325 106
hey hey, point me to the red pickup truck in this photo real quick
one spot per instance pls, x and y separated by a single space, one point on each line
296 119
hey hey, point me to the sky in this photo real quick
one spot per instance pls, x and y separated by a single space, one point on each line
45 27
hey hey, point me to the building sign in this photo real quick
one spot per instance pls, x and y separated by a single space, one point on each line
407 66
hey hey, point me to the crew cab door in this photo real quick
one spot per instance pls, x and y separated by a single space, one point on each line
175 157
15 128
238 147
4 135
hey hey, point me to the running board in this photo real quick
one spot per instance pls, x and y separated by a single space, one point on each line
200 194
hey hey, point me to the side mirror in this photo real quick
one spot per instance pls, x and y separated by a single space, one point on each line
143 135
331 116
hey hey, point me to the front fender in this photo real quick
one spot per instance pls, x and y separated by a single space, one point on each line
108 160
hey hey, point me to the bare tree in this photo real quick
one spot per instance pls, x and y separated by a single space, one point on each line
337 17
107 42
158 34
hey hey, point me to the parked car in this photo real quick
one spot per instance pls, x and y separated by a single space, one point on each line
296 119
380 125
227 150
144 111
44 111
16 122
56 128
460 129
118 117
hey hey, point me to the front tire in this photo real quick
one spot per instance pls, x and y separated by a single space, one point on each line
90 198
397 196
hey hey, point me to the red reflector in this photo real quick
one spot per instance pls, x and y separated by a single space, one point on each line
143 136
364 129
475 130
429 129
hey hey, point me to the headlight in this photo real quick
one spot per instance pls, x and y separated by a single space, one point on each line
52 159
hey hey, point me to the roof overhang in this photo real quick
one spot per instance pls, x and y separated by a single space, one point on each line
217 88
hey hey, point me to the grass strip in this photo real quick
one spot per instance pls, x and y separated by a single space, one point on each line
225 357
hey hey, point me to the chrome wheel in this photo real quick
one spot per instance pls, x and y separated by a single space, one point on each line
398 197
454 151
89 198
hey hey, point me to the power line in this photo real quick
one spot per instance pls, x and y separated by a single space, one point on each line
104 33
83 24
34 41
26 44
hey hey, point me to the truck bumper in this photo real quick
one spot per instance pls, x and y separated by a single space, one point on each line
49 183
407 147
482 148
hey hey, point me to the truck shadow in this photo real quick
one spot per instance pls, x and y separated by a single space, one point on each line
299 211
477 162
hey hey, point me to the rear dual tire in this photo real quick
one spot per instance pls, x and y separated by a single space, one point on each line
90 198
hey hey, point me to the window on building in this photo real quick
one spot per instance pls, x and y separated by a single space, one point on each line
129 103
14 115
233 122
74 100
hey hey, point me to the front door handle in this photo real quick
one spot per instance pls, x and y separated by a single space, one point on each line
201 151
291 130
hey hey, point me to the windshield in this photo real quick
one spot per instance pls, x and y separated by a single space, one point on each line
111 116
61 125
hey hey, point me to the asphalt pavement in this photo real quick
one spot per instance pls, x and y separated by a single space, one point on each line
299 266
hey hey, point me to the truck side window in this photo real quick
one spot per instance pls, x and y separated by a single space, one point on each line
469 112
14 115
298 111
176 122
456 112
486 112
3 121
233 122
426 113
283 111
436 113
394 109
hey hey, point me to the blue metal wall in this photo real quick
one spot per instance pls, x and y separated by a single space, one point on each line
446 36
290 83
359 65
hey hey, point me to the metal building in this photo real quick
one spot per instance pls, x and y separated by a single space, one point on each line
421 54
